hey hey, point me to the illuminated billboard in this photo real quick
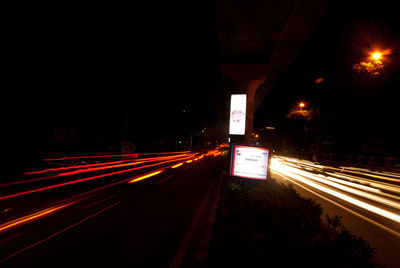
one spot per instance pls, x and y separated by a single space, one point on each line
250 162
237 121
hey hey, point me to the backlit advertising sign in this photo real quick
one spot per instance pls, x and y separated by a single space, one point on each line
250 162
237 121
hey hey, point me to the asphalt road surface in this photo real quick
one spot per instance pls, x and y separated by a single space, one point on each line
110 211
368 201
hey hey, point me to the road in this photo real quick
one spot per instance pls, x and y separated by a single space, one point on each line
104 211
368 201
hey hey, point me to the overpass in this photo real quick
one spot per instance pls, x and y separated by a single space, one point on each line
257 41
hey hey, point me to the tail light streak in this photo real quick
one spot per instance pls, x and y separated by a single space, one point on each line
88 179
87 168
109 156
33 216
177 165
145 176
59 232
187 158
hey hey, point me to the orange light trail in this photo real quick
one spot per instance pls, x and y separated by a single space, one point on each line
33 216
42 213
106 156
88 169
86 179
59 232
145 176
189 161
177 165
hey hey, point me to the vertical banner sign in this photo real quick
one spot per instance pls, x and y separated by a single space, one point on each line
250 162
237 121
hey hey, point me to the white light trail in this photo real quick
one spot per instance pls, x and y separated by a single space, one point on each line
309 179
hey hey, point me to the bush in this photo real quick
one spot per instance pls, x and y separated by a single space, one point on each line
269 224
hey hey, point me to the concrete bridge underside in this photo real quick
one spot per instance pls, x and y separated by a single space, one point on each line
258 39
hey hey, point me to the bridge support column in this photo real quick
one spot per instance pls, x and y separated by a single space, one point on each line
244 79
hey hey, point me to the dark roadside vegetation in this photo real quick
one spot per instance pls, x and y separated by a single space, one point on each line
268 224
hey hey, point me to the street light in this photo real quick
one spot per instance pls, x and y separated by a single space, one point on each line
374 64
376 56
302 104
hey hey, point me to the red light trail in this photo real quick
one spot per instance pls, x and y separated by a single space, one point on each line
89 168
109 156
165 163
174 159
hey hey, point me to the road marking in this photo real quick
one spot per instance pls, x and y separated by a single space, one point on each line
10 238
6 210
164 179
98 201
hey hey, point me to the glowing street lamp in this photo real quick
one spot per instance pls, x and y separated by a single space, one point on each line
374 64
302 105
376 56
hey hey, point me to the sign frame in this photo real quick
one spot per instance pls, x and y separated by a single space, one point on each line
232 161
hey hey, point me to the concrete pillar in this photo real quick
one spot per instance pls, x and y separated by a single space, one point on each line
251 89
244 79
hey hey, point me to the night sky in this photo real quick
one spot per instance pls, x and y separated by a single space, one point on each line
354 107
86 67
83 67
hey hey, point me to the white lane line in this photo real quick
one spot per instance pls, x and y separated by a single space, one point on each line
99 201
164 179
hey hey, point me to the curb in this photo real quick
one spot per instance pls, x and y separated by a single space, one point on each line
193 250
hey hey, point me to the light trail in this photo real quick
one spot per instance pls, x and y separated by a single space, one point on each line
366 173
33 216
30 217
329 181
391 174
325 183
109 156
89 157
90 168
102 164
59 232
380 185
177 165
145 176
42 213
341 206
88 179
73 167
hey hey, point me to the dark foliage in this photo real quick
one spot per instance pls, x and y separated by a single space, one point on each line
270 225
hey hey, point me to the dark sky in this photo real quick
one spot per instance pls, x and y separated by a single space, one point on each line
355 106
83 66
